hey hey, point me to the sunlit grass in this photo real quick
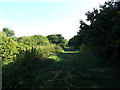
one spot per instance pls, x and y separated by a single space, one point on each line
54 57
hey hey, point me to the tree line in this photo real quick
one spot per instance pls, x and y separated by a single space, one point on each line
43 45
102 35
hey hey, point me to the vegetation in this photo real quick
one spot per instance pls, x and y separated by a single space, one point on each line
9 48
90 61
39 44
9 33
102 36
36 40
69 69
58 40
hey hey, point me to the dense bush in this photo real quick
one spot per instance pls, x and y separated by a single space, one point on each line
58 40
34 40
74 41
44 51
9 49
22 61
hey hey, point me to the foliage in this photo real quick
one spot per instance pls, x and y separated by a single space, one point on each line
35 40
33 62
9 33
73 41
18 65
64 70
9 48
102 36
57 39
47 50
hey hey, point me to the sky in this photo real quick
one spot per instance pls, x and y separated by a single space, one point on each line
45 17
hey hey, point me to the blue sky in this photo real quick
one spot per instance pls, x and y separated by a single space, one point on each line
45 17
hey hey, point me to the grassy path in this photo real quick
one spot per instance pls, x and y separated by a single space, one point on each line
74 69
69 69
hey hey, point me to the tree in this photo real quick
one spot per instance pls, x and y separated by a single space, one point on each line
73 41
102 36
57 39
9 33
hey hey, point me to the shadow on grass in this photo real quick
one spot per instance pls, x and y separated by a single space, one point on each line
81 71
70 70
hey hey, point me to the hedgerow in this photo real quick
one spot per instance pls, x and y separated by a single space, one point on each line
12 49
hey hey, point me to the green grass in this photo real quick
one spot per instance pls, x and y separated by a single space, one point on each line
54 57
70 69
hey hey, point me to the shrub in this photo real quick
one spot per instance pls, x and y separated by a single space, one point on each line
9 49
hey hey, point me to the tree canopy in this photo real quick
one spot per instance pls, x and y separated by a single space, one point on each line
9 33
57 39
102 36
